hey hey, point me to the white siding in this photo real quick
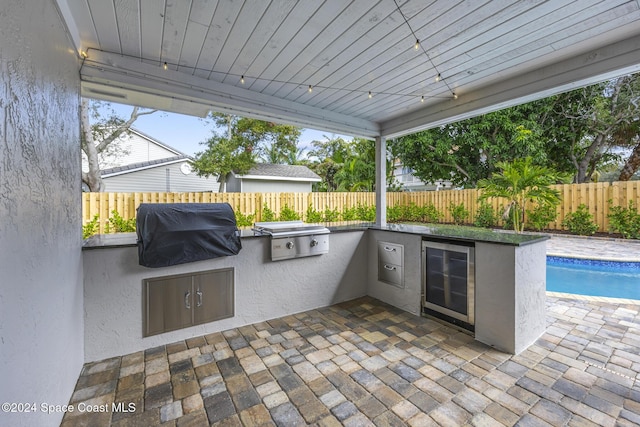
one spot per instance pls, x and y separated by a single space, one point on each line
128 150
162 178
144 150
273 186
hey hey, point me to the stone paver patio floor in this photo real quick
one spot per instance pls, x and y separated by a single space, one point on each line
364 362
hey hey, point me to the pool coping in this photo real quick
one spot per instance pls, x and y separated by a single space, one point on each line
610 300
594 258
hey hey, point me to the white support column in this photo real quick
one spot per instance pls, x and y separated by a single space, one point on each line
381 181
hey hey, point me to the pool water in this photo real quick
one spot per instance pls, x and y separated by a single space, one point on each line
593 277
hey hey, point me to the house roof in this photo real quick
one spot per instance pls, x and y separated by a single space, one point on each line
134 167
267 171
314 64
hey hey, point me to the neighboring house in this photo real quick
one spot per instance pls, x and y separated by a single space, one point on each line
269 178
137 162
173 174
405 177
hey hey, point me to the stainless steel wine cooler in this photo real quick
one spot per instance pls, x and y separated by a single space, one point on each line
448 282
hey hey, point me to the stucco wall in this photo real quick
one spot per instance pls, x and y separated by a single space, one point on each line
406 297
41 299
263 290
510 295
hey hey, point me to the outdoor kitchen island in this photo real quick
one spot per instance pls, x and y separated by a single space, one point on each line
509 297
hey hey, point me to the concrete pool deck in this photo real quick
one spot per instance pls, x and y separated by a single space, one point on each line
594 248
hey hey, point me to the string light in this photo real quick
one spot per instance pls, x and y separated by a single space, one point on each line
417 46
454 95
310 88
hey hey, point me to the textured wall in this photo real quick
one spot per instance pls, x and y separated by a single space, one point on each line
41 331
510 295
408 297
263 290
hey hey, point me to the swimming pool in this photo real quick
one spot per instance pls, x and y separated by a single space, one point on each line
593 277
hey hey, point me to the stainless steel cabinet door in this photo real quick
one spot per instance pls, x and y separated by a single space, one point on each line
213 296
168 304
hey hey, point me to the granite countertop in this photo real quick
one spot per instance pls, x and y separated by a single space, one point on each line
462 233
438 232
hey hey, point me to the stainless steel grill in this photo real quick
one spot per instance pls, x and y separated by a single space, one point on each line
294 239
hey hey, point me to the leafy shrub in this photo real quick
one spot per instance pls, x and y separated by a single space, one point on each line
413 213
365 213
119 224
243 220
313 215
507 218
625 221
580 222
288 214
541 215
331 215
485 216
92 227
459 213
267 214
394 213
431 214
349 214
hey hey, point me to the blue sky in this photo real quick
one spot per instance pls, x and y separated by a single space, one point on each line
185 133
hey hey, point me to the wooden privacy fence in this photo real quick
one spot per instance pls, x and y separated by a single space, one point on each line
595 196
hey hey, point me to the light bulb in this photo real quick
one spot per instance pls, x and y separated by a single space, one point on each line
242 79
165 66
438 77
310 89
370 95
417 45
83 54
454 95
422 98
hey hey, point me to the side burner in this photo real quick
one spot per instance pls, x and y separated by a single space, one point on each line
294 239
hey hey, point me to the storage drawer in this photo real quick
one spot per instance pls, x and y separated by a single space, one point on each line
390 253
391 274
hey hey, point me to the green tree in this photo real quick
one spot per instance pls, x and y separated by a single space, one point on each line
590 121
243 141
330 156
348 166
101 128
467 151
520 182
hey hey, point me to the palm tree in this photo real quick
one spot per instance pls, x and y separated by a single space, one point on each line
520 182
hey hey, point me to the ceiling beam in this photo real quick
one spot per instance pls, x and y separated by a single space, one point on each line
124 77
582 70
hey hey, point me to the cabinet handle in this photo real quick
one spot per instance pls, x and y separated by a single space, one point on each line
388 249
199 294
389 267
187 300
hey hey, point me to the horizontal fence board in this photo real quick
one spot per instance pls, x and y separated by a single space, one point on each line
595 196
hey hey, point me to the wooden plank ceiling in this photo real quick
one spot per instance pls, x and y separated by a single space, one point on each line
260 58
